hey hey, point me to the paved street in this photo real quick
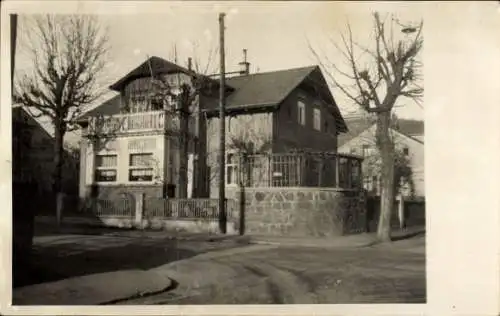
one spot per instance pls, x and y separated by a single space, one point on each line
287 275
210 271
76 252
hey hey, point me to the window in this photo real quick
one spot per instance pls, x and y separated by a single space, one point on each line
141 168
231 168
156 104
367 150
317 119
106 168
406 151
301 113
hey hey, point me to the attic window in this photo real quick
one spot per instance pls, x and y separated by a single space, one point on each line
301 112
406 151
317 119
367 150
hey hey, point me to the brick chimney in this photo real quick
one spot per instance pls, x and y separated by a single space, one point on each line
190 64
245 65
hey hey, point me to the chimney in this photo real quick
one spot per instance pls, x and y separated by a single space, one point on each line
245 65
190 64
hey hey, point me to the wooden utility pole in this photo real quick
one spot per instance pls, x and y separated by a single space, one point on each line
13 40
222 131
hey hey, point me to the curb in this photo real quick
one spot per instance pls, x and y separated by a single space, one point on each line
172 286
84 290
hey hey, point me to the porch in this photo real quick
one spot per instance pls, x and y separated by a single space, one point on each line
304 169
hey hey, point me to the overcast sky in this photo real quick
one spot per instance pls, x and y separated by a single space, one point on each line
276 34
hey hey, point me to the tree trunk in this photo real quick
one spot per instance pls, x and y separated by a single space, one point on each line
386 148
184 151
58 166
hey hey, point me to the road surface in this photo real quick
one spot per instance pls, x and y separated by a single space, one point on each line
287 275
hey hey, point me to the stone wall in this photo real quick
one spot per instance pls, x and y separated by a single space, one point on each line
301 211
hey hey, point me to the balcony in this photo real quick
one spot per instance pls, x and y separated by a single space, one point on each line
133 122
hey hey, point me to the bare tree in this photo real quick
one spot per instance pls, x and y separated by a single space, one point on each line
380 74
68 54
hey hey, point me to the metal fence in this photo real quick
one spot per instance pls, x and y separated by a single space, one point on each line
297 169
207 209
121 207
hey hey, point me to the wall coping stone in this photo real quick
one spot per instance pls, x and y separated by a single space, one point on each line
308 189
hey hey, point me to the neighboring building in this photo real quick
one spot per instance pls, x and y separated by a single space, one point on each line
33 157
131 141
408 137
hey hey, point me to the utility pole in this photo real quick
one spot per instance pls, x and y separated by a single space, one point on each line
13 40
222 131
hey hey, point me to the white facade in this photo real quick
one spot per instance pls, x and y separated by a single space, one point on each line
154 148
365 143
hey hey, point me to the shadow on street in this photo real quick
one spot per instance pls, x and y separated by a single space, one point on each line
408 236
71 252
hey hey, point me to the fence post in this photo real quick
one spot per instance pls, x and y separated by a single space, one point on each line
401 211
337 171
59 207
320 170
139 209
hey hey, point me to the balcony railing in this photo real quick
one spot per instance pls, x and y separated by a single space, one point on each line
134 122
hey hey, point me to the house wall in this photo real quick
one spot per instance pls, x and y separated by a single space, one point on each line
415 148
122 147
288 133
254 127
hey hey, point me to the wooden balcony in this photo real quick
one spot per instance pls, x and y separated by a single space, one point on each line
133 122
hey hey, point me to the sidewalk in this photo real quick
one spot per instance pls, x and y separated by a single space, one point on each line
348 241
92 289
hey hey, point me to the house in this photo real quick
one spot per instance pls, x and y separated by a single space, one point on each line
276 112
33 159
408 137
131 142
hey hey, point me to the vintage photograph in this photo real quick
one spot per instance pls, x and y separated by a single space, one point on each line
218 153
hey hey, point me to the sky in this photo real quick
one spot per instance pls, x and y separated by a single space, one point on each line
275 34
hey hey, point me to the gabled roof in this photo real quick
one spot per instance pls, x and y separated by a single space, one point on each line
23 117
157 64
108 107
411 127
267 88
270 89
359 124
355 126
